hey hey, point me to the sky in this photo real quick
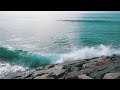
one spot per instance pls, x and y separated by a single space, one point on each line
47 13
51 12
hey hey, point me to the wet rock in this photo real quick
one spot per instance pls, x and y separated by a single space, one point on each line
57 74
103 62
87 65
72 75
97 63
112 76
84 76
45 76
56 71
39 68
49 66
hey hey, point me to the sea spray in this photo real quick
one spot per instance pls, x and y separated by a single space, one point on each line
6 68
90 52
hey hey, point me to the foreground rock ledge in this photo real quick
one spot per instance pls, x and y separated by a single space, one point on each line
104 67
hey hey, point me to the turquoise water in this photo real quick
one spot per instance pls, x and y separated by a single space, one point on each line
31 39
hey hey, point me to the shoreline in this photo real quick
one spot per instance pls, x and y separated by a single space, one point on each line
104 67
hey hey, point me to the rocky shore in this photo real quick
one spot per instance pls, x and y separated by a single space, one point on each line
104 67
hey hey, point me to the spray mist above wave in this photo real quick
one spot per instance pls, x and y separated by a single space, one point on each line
89 52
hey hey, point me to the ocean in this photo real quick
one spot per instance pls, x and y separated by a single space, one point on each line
29 39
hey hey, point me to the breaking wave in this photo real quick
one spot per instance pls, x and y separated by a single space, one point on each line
15 60
90 52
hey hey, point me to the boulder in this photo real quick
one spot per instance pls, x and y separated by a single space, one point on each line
42 77
112 76
84 76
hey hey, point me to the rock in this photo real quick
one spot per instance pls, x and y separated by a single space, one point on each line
84 76
72 70
114 55
39 68
42 77
98 63
86 71
103 62
91 62
57 74
72 75
112 76
105 57
49 66
87 65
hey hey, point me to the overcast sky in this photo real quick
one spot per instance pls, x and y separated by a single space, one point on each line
51 12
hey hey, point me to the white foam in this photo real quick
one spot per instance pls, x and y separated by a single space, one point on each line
89 52
6 68
8 47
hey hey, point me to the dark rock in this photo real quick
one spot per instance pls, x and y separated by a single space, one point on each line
39 68
57 74
28 76
72 75
49 66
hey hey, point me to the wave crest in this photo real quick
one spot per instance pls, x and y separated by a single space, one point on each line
32 60
90 52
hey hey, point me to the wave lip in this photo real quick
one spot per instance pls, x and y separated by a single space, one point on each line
26 59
